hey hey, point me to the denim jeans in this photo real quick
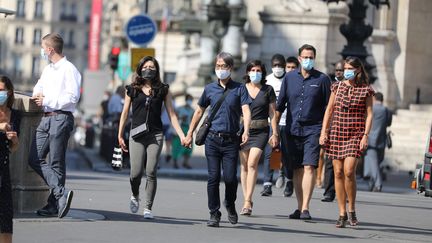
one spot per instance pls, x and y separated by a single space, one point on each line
52 137
221 152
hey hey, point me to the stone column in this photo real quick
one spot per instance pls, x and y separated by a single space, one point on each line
234 37
286 28
28 188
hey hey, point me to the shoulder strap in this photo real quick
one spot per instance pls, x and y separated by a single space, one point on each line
218 105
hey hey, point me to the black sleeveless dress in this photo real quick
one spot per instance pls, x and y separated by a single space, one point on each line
6 206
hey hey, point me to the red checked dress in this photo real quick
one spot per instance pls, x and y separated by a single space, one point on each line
349 118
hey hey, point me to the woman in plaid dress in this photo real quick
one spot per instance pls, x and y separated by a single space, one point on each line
349 116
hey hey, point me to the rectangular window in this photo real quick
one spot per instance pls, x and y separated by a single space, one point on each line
19 35
71 39
35 66
39 10
20 12
37 35
17 68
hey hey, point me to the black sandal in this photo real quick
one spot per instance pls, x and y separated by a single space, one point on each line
341 222
353 219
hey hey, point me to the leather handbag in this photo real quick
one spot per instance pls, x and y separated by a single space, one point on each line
205 127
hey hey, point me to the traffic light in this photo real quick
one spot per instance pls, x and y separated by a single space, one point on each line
113 57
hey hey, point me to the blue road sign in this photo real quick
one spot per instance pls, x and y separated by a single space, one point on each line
141 29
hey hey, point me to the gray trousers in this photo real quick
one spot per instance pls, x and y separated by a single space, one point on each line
144 155
52 137
372 161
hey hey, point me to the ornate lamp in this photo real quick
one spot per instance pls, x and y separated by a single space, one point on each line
356 31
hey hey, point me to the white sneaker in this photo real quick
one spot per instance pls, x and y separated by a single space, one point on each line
134 204
280 182
148 214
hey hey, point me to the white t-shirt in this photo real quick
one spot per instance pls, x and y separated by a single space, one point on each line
276 83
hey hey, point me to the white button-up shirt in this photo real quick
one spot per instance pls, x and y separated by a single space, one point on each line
60 85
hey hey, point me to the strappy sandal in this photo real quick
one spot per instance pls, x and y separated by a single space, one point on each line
353 219
341 222
247 211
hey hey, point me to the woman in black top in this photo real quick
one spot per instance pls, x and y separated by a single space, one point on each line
146 95
262 107
8 143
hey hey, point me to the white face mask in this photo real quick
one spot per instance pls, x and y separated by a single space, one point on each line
278 72
44 56
222 74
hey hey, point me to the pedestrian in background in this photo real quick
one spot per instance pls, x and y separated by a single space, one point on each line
58 92
9 125
304 93
222 143
349 118
184 114
146 95
274 79
329 187
382 118
262 107
115 105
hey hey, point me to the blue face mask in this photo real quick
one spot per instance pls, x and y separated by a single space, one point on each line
43 55
3 97
307 64
349 74
255 77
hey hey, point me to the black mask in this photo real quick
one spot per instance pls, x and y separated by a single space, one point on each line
148 74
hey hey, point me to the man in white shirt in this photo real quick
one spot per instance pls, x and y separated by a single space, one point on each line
58 92
279 68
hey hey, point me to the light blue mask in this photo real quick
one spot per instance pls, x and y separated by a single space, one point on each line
349 74
308 64
255 77
3 97
43 55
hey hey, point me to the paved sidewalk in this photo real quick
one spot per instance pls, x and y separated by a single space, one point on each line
397 182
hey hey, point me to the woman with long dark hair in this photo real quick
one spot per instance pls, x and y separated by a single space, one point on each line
8 143
146 95
349 117
262 107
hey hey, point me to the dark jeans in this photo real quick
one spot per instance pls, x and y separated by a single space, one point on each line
329 186
221 151
52 137
286 168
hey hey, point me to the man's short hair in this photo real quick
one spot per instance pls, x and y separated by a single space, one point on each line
226 57
278 57
307 47
55 41
294 60
379 96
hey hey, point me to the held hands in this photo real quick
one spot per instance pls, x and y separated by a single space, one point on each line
187 142
122 144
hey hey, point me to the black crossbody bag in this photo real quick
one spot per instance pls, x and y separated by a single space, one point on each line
205 127
142 129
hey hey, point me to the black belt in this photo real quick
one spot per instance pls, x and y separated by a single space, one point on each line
54 113
224 134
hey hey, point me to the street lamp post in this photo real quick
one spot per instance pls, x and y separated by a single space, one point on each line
356 31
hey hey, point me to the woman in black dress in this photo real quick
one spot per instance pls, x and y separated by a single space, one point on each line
8 143
262 107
